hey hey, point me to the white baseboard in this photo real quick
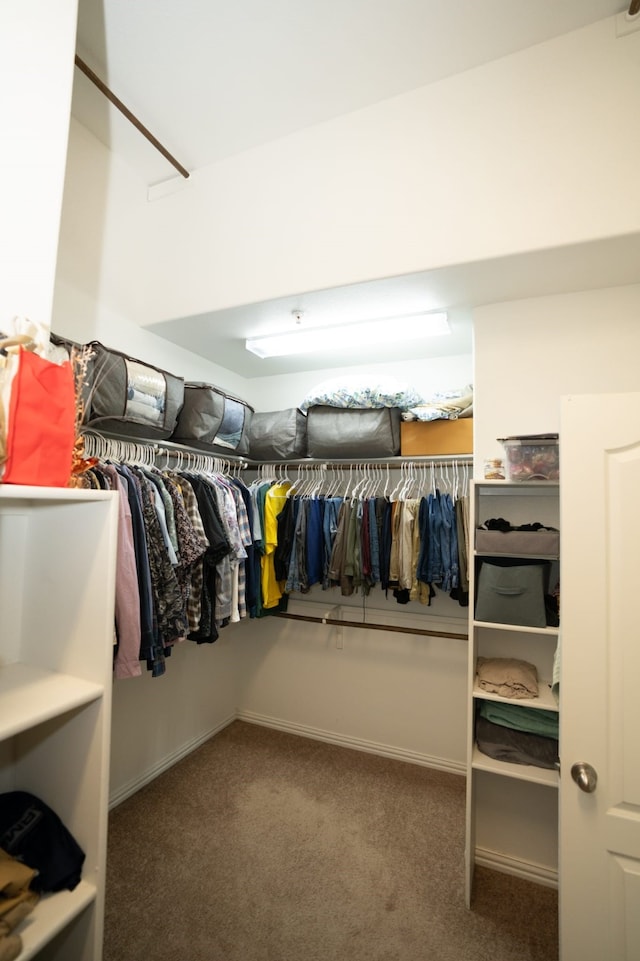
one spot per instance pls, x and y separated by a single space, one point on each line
357 744
122 793
529 870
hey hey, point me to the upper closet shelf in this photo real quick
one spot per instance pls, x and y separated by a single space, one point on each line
543 488
545 700
132 449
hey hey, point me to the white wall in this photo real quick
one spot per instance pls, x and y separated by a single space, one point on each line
37 41
91 305
533 151
158 720
103 252
426 376
78 316
529 353
400 695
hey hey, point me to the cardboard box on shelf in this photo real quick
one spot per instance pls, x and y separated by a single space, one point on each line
426 438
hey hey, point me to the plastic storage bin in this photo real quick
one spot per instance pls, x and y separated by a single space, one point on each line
533 457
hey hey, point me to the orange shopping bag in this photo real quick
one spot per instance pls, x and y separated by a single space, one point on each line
41 423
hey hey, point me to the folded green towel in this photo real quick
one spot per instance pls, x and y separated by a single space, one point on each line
531 719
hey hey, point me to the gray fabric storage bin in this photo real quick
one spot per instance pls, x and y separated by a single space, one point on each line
347 432
519 543
278 435
512 594
213 420
130 397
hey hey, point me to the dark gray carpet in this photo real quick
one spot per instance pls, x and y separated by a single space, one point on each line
264 846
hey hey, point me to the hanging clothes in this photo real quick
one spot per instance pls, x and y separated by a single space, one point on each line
199 550
410 543
185 538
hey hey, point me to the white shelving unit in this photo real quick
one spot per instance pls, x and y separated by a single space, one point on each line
512 821
57 585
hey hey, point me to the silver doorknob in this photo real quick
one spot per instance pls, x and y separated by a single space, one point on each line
585 776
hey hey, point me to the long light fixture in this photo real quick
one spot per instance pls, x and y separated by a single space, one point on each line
391 329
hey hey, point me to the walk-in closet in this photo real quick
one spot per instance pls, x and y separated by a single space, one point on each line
182 182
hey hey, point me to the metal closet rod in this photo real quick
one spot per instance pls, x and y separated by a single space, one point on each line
131 117
393 628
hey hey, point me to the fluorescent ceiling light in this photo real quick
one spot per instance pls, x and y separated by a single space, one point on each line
392 329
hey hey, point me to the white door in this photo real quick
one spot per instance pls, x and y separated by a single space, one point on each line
600 678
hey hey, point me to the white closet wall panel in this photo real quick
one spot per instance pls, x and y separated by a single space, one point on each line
398 695
158 720
37 42
587 342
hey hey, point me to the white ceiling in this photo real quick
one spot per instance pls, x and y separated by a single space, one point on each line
212 78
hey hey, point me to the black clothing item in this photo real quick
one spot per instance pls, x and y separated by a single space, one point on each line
32 832
285 525
423 556
252 585
218 548
385 546
402 595
300 535
500 524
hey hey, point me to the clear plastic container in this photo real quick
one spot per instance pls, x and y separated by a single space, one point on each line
533 457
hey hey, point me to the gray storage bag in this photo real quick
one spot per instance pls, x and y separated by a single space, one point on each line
512 594
278 435
213 420
130 397
348 432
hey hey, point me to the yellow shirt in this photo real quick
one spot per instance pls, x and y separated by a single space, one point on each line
272 590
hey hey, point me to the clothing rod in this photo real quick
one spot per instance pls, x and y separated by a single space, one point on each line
102 87
372 626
